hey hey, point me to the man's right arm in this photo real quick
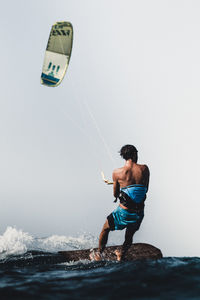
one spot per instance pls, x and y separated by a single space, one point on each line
116 186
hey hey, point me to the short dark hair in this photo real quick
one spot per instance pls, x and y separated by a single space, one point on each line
129 152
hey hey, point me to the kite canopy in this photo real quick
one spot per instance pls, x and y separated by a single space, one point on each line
57 54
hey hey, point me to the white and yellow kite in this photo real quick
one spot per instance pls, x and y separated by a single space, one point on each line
57 54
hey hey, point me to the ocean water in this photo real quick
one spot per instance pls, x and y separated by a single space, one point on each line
30 269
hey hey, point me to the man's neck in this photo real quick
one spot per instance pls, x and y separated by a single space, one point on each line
129 163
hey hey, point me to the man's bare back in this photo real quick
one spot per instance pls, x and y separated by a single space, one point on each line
130 173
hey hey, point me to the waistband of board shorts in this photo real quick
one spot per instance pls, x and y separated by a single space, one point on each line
132 210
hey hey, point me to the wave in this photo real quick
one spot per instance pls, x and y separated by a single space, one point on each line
15 242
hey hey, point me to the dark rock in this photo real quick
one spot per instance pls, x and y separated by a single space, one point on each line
136 252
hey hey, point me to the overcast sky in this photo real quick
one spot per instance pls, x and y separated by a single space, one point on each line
135 74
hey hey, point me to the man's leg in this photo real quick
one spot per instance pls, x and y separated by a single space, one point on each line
127 243
103 238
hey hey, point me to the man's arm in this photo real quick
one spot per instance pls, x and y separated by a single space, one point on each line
116 186
147 175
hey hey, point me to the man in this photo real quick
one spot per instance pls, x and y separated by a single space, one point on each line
130 185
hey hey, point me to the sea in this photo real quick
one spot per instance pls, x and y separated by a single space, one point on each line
30 269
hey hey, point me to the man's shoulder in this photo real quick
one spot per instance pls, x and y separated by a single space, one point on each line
143 166
117 172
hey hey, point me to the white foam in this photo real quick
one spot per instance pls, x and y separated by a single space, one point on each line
56 243
16 242
79 262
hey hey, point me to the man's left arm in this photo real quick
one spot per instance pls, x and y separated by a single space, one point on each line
147 175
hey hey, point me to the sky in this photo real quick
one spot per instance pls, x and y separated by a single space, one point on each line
134 79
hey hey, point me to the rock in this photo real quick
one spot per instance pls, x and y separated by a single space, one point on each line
136 252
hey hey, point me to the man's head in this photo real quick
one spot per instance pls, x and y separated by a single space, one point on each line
129 152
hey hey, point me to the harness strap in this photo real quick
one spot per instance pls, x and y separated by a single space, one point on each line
129 203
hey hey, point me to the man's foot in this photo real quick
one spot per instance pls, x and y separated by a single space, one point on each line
118 254
97 256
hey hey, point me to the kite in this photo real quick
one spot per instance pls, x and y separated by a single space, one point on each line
57 54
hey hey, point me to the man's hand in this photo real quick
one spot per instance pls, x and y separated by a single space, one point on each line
104 179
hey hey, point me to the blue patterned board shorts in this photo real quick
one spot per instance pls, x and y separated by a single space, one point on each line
121 218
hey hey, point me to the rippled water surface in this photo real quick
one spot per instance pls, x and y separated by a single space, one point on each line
37 273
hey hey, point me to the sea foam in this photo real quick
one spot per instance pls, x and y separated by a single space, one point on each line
16 242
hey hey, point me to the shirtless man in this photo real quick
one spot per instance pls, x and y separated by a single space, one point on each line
130 185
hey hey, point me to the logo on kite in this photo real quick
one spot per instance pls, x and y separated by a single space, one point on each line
57 54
